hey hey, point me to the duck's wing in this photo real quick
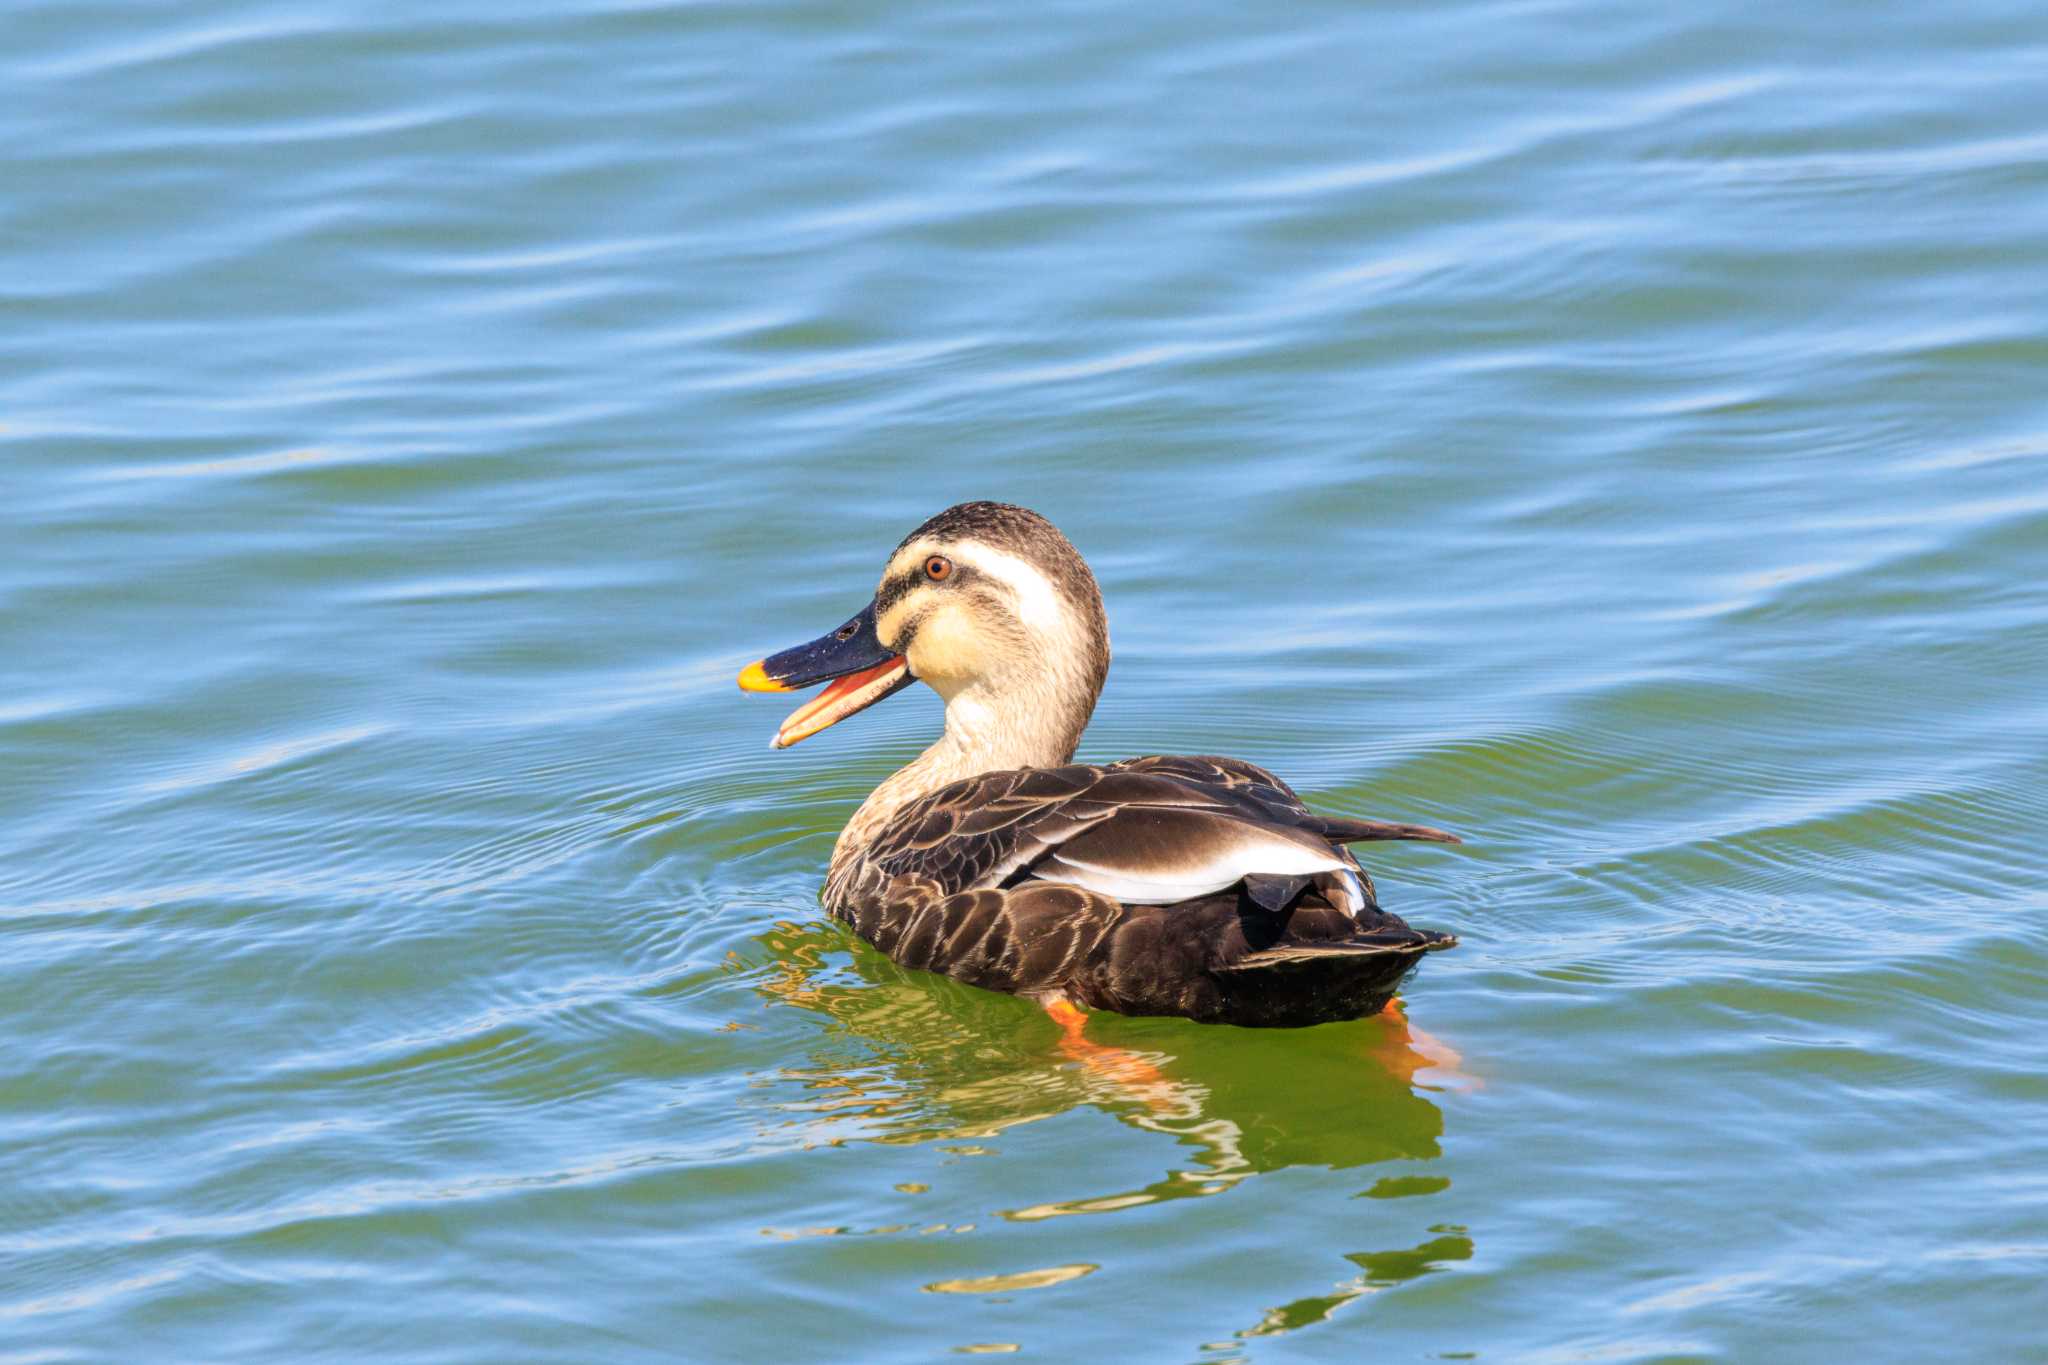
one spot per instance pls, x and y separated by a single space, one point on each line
1125 887
1261 787
973 833
1150 831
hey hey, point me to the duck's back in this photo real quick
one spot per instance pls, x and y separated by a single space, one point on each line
1170 884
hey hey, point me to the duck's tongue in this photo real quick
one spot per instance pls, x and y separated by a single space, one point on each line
854 692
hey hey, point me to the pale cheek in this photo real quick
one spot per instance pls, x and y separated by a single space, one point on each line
944 647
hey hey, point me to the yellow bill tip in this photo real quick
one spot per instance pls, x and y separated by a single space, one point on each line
754 678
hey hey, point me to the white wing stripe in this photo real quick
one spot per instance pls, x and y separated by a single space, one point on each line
1129 890
1162 885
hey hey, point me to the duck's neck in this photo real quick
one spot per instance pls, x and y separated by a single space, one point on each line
987 730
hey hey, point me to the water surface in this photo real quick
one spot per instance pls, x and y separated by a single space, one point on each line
1619 436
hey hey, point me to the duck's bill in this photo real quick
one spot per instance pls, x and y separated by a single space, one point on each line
861 672
854 692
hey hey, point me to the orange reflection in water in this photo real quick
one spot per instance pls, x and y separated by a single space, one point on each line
1394 1043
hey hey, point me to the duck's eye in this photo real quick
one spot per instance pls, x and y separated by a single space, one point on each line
938 568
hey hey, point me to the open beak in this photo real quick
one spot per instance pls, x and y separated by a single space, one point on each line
851 658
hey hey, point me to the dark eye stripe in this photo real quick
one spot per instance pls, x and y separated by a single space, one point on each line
901 586
896 588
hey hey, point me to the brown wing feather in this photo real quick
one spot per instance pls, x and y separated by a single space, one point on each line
948 887
1267 790
1342 831
958 836
984 830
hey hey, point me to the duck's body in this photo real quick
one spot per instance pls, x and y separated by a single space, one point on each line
1191 886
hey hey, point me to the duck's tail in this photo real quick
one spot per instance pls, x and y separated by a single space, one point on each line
1290 984
1341 831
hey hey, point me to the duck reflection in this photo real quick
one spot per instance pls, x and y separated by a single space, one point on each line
1378 1270
914 1058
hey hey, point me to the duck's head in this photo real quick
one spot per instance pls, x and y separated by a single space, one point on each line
986 603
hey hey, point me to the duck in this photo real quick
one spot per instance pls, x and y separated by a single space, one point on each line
1180 885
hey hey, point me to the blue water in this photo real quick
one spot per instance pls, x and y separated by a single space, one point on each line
1619 436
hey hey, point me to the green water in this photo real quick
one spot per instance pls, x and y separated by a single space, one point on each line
1618 435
